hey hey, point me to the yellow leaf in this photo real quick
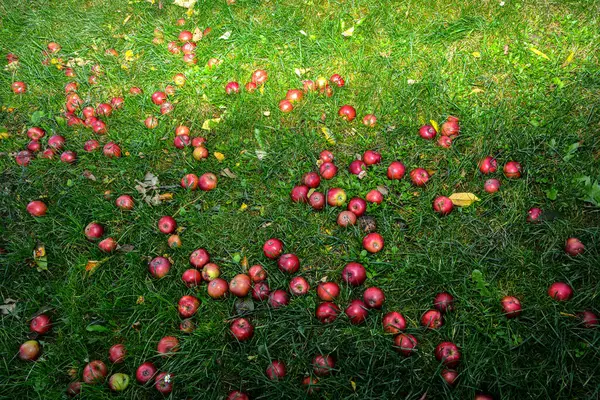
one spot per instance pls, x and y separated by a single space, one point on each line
476 54
463 199
353 385
219 156
569 59
329 136
539 53
348 32
126 19
4 135
197 35
165 196
91 266
206 125
435 125
243 207
477 90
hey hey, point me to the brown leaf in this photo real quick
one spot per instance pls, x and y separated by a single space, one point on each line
126 248
383 190
197 35
87 174
165 196
227 173
8 307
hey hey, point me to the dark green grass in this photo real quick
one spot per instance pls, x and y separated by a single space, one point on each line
531 110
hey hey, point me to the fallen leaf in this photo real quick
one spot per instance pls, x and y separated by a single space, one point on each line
463 199
140 300
165 196
91 266
9 306
206 31
329 136
219 156
126 248
227 172
506 49
39 255
226 35
126 19
185 3
97 327
353 385
383 190
348 32
210 123
266 113
539 53
569 59
304 33
435 125
477 90
87 174
197 36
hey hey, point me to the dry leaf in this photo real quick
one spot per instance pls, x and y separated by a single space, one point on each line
91 266
539 53
165 196
87 174
569 59
227 173
329 136
383 190
463 199
435 125
9 306
126 248
185 3
219 156
477 90
348 32
226 35
197 35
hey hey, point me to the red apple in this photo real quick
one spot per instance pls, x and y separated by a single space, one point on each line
442 205
396 170
354 274
337 79
99 127
273 248
317 200
104 109
346 218
185 36
328 291
93 231
23 158
35 133
448 354
534 214
419 176
483 396
134 91
432 319
373 242
323 365
328 170
308 86
145 372
48 153
112 150
294 95
117 353
200 152
491 185
198 141
374 196
41 324
327 312
189 181
167 224
336 197
30 350
217 288
427 132
405 344
357 205
589 319
279 298
357 312
445 142
94 372
19 87
299 194
347 112
512 170
369 120
288 263
250 87
124 202
191 277
241 329
299 286
311 179
259 76
188 306
450 127
117 102
326 156
167 346
240 285
68 157
450 376
91 145
199 258
181 141
188 48
371 157
373 297
443 302
151 122
74 389
164 383
159 267
182 130
159 98
208 181
37 208
237 395
511 306
232 87
108 245
260 291
393 322
257 273
358 167
560 291
276 370
210 272
34 146
574 247
488 165
285 106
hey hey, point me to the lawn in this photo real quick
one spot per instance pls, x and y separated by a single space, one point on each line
522 77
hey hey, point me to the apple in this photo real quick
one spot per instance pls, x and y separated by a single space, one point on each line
159 267
354 274
512 170
369 120
328 291
199 258
167 346
371 157
450 376
217 288
323 364
23 158
336 197
93 231
328 170
346 218
294 95
188 306
187 326
405 344
208 181
311 179
491 185
374 196
432 319
260 291
327 312
104 109
337 79
448 354
164 383
511 306
200 152
442 205
118 382
450 127
574 247
321 82
174 241
74 389
181 141
213 62
310 384
210 272
299 286
151 122
48 153
288 263
241 329
358 167
108 245
166 108
145 372
88 112
347 112
198 141
189 181
134 91
317 200
308 86
488 165
35 133
427 132
560 291
445 142
68 157
393 322
373 242
534 214
167 224
179 79
91 145
419 177
276 370
589 319
98 127
34 146
37 208
112 150
299 194
358 206
374 297
117 353
483 396
53 47
257 273
117 102
237 395
19 87
326 156
259 76
188 48
159 98
250 87
191 277
182 130
232 87
240 285
30 350
94 372
185 36
285 106
41 324
279 298
443 302
273 248
396 170
356 311
124 202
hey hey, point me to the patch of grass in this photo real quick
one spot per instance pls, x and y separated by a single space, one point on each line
407 62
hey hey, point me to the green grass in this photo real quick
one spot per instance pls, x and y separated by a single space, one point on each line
527 108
